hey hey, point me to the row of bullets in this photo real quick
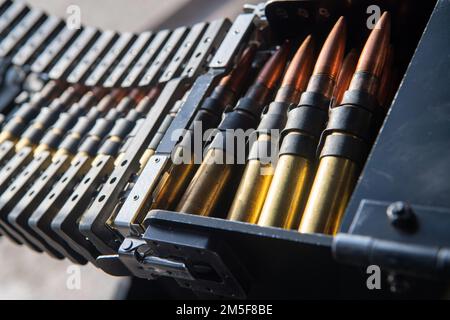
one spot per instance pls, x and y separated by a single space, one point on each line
81 167
328 120
48 158
74 101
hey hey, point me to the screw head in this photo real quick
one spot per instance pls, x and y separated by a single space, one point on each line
401 214
324 12
127 244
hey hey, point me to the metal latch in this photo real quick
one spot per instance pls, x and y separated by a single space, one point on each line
194 259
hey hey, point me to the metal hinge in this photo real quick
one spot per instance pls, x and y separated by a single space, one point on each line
416 260
398 237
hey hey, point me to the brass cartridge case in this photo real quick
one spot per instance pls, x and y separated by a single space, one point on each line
330 193
258 174
203 193
337 172
289 189
253 189
214 174
293 187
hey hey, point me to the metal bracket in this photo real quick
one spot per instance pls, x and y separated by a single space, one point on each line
112 265
408 239
12 78
196 260
225 257
240 30
137 256
286 17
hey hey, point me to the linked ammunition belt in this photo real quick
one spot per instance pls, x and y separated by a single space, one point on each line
93 121
81 107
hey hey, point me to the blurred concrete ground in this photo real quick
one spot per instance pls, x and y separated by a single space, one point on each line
25 274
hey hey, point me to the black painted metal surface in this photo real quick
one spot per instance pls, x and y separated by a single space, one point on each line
411 158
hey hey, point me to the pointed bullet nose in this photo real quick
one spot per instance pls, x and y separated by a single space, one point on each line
98 91
376 48
345 75
136 94
248 55
236 78
386 82
297 73
384 23
117 94
274 67
330 57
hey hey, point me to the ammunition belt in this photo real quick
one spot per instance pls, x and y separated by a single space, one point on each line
83 108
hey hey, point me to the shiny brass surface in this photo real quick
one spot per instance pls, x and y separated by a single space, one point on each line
287 193
252 192
144 158
171 185
257 176
336 176
60 152
6 135
331 190
41 148
213 175
49 91
174 182
290 185
208 184
22 143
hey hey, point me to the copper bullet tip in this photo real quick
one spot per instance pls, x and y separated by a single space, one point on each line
118 94
237 76
330 57
386 82
345 75
69 94
136 94
376 48
274 67
153 93
98 91
299 69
